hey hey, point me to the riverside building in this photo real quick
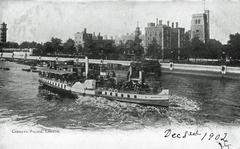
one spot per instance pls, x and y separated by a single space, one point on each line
200 27
166 36
82 38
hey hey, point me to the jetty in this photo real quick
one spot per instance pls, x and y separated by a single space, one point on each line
62 59
169 67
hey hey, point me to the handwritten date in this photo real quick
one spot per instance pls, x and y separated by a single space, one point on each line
221 139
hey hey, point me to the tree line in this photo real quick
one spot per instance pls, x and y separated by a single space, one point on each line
54 46
133 49
91 48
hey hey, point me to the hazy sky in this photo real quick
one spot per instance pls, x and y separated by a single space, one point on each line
39 20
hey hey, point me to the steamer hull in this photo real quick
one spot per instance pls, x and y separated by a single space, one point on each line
163 102
87 88
161 99
55 88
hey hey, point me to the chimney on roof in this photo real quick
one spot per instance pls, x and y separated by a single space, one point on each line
176 24
85 30
160 22
167 23
172 24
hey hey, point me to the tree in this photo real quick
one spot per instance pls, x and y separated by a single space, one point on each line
153 50
129 45
185 52
197 47
48 48
88 45
137 48
233 49
9 45
56 44
38 49
27 44
68 47
110 50
213 49
79 50
120 51
51 47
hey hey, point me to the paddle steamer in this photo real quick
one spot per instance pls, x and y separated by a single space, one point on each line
79 81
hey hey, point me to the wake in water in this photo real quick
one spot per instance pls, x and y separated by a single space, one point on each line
87 112
183 103
183 110
94 113
119 114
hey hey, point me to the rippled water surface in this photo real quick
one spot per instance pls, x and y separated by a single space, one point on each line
194 101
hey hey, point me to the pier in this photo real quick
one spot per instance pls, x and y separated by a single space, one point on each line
173 68
201 70
61 59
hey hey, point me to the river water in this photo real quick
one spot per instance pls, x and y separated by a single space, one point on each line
194 100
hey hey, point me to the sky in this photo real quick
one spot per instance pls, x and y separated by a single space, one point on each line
39 20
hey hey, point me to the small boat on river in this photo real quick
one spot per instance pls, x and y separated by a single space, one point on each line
5 68
76 81
31 69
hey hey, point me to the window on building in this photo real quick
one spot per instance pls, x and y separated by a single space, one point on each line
197 30
196 21
121 95
128 96
199 21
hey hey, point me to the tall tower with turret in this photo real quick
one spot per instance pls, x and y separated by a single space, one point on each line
137 34
137 31
200 25
3 33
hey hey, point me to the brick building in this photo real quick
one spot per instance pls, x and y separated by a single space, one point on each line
166 37
81 38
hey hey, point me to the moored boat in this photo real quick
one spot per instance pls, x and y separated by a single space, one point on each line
5 68
31 69
26 69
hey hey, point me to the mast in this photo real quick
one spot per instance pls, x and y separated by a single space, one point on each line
86 66
130 73
140 77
